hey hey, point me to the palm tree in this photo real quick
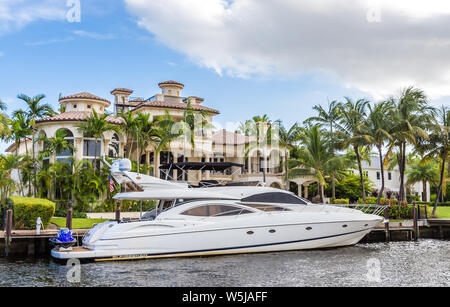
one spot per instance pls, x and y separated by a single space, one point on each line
376 131
36 110
287 138
438 146
129 127
146 133
95 126
166 132
411 117
422 171
259 127
353 113
2 106
315 159
4 122
192 121
58 143
20 130
8 163
328 118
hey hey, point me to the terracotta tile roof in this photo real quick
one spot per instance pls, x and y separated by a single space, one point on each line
174 105
77 116
137 100
84 95
121 89
223 137
170 82
195 97
12 147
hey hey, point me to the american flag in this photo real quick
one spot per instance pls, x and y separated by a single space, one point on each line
111 184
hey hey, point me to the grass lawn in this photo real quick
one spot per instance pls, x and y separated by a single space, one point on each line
441 212
77 223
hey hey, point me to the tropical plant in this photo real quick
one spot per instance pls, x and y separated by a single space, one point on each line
35 110
167 132
259 128
353 113
146 133
423 171
8 163
410 120
437 145
315 159
287 139
329 119
129 127
95 126
376 131
4 122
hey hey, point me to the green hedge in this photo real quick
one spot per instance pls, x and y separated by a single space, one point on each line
76 214
339 201
28 209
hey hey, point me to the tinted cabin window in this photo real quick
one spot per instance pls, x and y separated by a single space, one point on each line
215 210
274 197
267 208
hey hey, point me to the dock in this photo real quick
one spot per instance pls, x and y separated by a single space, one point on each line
28 243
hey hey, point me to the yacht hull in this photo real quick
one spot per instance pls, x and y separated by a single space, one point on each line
209 240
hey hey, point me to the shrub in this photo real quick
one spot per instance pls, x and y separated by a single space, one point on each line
383 201
76 214
348 187
28 209
339 201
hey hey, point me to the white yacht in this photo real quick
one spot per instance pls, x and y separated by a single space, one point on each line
217 220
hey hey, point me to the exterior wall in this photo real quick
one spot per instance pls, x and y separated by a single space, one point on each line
83 106
392 184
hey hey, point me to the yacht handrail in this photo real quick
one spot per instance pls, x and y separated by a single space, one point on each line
366 208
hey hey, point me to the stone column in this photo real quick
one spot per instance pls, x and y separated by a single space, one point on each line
156 165
106 147
299 186
78 149
122 149
207 173
306 190
249 164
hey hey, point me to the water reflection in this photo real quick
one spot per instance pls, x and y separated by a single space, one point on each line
423 263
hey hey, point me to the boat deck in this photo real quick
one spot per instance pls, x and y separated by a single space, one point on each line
77 249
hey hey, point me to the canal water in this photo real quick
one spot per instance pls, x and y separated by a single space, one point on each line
422 263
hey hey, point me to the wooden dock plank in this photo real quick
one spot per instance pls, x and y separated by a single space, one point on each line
49 233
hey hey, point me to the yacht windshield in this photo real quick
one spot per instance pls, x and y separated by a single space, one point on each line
274 198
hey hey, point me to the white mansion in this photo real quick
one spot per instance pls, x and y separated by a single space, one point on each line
210 146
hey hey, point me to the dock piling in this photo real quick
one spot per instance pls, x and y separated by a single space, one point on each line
118 211
8 226
415 222
69 216
386 224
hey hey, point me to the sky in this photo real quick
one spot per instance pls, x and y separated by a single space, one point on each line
245 57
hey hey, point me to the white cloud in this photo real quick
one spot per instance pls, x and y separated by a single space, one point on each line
409 46
15 14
